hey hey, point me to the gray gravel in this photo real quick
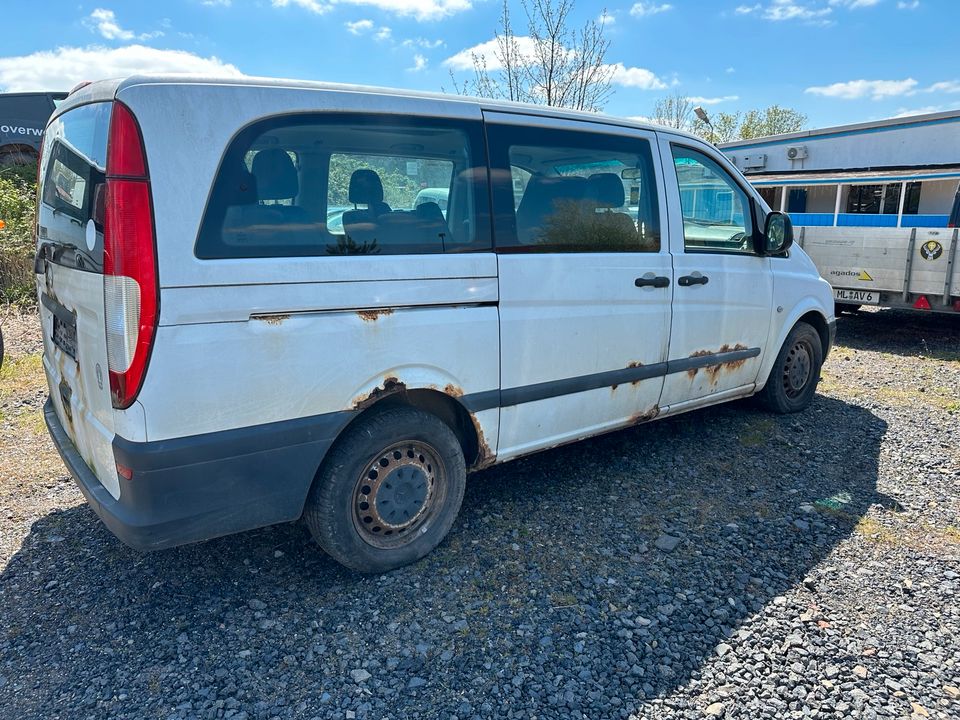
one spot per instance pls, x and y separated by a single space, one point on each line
726 563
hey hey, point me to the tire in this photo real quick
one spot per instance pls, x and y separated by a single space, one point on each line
796 372
370 524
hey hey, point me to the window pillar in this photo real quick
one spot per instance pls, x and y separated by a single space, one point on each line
783 199
903 198
836 207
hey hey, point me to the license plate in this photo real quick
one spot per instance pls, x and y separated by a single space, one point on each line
65 335
861 297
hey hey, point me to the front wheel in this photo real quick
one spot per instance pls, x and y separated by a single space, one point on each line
796 372
388 491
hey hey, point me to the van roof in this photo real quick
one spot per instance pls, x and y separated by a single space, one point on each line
107 90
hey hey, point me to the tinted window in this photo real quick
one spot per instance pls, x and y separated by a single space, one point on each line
72 175
349 185
716 214
566 191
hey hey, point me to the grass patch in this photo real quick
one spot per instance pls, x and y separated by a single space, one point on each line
33 422
19 376
756 432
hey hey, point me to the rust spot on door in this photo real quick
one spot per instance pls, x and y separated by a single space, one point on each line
635 364
374 314
453 390
713 371
485 456
277 319
390 386
645 416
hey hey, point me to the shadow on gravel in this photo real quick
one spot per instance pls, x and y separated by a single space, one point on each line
550 597
901 333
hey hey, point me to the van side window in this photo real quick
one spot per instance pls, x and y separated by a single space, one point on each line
716 212
339 184
572 191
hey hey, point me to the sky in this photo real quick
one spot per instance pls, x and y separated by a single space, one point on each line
837 61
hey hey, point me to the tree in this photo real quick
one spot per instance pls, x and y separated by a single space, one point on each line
775 120
675 111
553 64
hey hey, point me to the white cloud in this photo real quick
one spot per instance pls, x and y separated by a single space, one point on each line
874 89
643 9
383 33
64 67
854 4
419 63
908 5
358 27
104 21
606 18
420 9
730 70
486 52
423 43
636 77
640 118
216 3
312 5
778 10
698 100
946 86
904 112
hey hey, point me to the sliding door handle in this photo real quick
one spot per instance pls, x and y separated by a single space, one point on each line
688 280
658 282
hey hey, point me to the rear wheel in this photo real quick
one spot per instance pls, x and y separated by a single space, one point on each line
796 372
388 491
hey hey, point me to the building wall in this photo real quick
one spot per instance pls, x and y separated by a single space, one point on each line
933 141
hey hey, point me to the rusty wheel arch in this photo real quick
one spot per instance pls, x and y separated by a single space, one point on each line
444 405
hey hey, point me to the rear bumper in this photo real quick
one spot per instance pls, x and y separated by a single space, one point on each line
196 488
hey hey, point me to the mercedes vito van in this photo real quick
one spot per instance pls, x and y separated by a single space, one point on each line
219 358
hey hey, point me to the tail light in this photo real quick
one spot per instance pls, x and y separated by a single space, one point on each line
130 296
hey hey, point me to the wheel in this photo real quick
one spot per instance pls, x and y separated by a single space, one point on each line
796 372
388 491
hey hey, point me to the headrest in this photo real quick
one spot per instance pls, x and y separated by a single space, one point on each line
365 187
606 190
275 174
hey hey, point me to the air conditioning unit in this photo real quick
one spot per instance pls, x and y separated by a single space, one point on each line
797 152
754 162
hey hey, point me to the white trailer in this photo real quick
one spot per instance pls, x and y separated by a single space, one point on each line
875 205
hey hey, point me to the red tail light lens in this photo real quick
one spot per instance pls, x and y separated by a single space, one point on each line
131 301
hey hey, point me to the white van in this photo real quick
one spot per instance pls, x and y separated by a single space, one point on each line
219 359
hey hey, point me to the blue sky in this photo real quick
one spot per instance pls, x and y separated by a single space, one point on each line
838 61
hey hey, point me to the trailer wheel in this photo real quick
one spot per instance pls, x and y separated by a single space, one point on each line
796 372
388 491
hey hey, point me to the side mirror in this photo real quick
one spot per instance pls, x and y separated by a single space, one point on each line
777 234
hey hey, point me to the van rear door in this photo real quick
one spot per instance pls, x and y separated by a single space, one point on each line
70 281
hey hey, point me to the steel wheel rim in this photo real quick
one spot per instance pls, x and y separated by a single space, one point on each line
397 493
797 369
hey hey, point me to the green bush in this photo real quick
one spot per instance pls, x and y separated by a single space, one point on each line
17 202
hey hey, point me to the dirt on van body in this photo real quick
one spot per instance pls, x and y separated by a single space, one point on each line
727 562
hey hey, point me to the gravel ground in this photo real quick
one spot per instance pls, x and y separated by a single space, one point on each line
726 563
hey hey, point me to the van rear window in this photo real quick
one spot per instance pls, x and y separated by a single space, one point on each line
72 186
338 184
